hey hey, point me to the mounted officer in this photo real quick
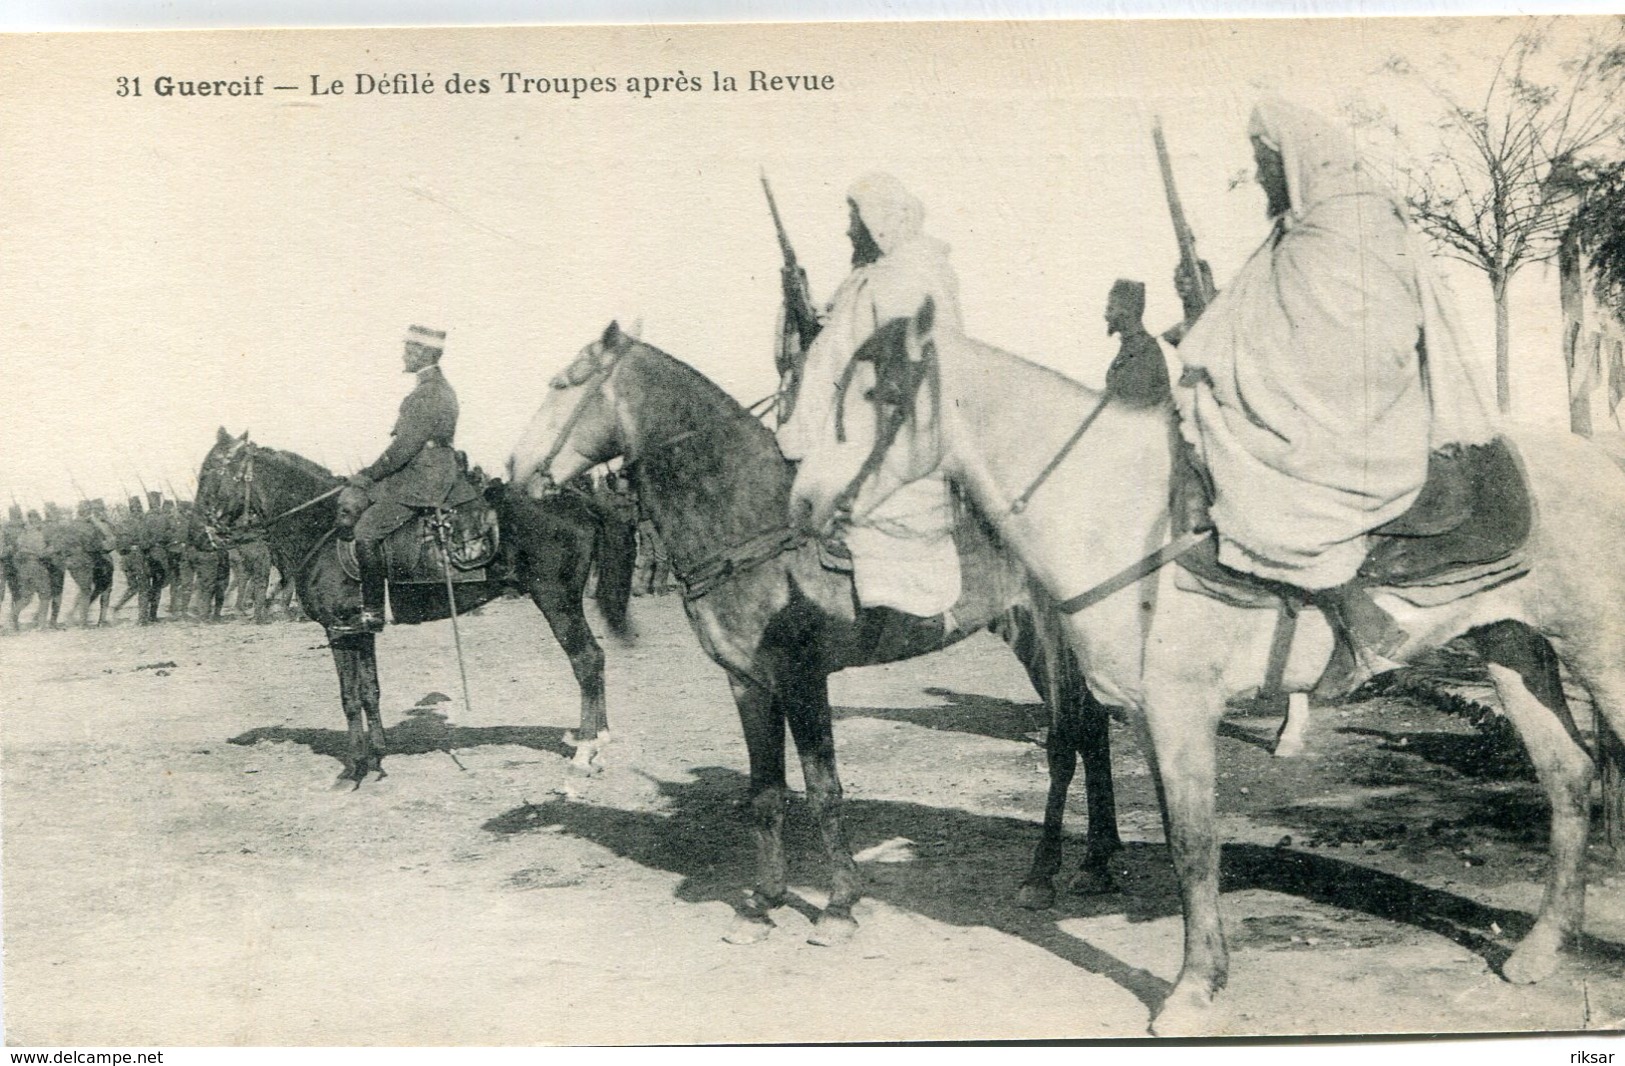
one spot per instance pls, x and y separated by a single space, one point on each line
418 471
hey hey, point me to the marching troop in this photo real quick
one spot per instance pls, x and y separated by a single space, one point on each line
157 544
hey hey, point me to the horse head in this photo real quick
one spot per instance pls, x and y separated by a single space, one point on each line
884 433
577 425
220 497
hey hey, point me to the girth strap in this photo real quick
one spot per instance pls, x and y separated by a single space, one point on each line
1130 574
739 559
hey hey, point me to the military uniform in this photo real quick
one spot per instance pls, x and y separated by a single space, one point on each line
208 568
254 556
75 542
154 536
132 557
34 578
9 532
178 559
418 471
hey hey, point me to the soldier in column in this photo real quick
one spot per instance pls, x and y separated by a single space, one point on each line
208 565
180 560
155 543
9 532
132 559
34 578
103 547
74 542
57 546
254 556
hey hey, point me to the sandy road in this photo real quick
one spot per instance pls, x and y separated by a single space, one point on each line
179 870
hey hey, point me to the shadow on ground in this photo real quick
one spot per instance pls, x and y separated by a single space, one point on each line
969 866
963 712
419 731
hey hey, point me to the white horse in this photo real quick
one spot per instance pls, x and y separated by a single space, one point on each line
992 421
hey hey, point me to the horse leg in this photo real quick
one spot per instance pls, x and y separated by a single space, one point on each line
1292 741
344 659
1037 892
1094 743
1525 671
1181 726
763 722
367 688
569 624
806 698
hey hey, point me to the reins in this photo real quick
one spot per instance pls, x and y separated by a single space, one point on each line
1122 579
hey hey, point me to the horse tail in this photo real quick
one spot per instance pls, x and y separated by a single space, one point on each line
616 549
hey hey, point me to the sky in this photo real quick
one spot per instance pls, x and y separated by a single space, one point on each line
169 266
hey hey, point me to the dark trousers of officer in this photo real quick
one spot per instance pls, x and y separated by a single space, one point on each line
254 560
368 523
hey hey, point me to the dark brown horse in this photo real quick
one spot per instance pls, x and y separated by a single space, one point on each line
552 545
769 612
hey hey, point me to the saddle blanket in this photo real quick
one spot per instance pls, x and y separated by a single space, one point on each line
1464 535
413 553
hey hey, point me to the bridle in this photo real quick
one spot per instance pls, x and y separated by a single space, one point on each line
897 384
592 385
890 390
246 476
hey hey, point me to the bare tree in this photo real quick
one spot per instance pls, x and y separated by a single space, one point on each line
1492 178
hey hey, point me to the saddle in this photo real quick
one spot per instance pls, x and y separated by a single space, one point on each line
1462 535
413 553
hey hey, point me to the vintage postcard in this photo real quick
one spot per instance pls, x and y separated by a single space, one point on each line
813 532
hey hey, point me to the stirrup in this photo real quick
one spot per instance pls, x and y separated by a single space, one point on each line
362 623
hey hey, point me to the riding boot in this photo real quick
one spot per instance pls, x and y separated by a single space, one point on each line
1368 640
369 557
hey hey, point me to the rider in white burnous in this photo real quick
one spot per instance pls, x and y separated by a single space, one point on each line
1318 383
903 553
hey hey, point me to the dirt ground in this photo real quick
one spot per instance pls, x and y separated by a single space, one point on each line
179 870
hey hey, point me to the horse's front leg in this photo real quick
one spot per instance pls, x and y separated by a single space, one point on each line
1181 723
763 721
345 661
366 676
806 703
1094 744
569 624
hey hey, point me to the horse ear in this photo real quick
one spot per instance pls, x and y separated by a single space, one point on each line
244 437
222 437
612 336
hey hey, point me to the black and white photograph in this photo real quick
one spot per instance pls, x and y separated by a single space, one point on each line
968 531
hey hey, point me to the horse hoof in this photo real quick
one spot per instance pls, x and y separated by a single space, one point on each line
1535 959
832 931
1185 1013
748 930
1036 897
1090 881
585 762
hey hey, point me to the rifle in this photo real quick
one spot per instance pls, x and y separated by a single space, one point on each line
1190 263
800 323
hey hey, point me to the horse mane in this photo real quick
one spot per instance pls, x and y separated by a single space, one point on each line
693 439
298 462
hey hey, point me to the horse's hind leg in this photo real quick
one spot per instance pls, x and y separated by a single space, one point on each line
1526 677
569 624
763 722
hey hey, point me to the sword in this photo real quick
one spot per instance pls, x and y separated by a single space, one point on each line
442 532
